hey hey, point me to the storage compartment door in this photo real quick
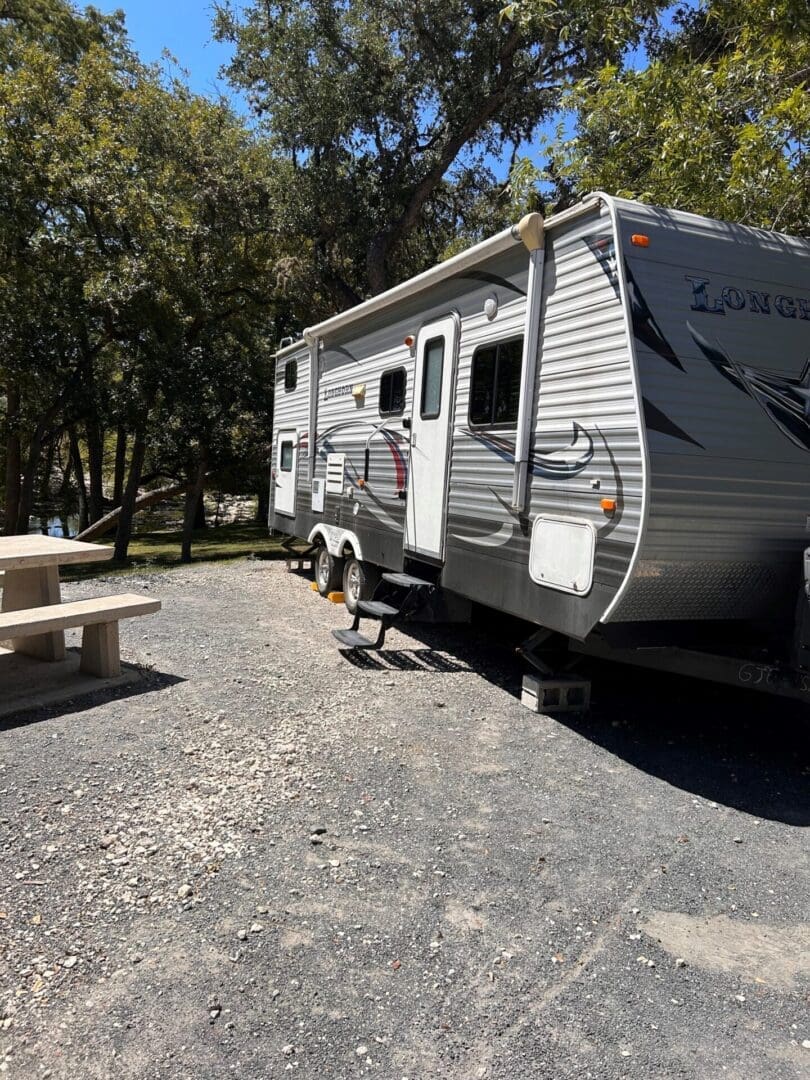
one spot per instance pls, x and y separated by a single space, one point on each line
562 554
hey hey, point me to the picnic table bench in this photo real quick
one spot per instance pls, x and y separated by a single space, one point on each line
34 619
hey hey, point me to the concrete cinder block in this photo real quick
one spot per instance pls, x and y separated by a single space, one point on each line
298 564
565 694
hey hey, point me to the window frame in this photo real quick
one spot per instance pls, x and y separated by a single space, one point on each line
291 365
493 424
392 372
432 341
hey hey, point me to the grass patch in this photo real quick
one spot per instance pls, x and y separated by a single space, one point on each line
161 550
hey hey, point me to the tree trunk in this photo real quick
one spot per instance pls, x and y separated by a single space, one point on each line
95 460
120 464
124 534
47 473
109 521
199 514
29 476
78 472
13 459
193 497
263 505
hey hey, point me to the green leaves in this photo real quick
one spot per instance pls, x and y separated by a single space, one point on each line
138 243
718 122
387 112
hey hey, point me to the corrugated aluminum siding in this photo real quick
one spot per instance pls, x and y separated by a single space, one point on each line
584 400
586 379
291 411
729 491
360 354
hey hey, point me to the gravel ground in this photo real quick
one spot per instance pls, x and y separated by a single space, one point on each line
263 860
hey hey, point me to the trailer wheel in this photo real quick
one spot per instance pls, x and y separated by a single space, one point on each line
359 582
328 572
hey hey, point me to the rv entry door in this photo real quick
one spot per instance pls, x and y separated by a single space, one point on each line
430 437
285 472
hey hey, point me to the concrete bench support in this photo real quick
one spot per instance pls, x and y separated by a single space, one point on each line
35 586
101 653
99 618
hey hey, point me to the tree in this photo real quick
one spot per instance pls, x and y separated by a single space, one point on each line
385 113
718 123
137 264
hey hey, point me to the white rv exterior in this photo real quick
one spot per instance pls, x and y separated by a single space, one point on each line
595 425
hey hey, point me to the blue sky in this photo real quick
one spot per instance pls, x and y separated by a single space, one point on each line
184 28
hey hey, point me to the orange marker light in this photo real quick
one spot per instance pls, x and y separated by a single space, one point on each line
640 240
409 341
608 505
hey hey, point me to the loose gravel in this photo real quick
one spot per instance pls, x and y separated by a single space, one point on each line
265 860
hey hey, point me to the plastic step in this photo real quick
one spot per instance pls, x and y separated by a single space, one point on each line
376 608
406 580
352 639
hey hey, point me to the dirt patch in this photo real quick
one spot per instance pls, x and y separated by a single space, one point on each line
778 956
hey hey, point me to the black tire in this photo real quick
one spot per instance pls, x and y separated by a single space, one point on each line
359 582
328 572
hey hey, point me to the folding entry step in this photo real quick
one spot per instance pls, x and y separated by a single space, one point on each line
416 592
376 609
406 580
353 640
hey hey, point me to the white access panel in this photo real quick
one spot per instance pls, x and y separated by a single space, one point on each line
286 472
335 470
562 554
431 416
318 495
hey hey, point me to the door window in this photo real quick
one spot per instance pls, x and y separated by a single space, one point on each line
286 457
432 371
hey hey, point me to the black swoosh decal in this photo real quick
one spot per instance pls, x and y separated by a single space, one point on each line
645 326
341 352
493 279
659 421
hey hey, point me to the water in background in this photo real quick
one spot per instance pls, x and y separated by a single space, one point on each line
63 527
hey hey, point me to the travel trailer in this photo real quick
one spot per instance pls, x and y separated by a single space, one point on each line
599 423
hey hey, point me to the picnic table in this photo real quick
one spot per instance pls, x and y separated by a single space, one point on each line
33 617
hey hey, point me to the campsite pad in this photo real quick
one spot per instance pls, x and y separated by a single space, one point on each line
272 858
27 683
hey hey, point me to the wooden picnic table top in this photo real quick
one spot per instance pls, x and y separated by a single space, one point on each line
23 552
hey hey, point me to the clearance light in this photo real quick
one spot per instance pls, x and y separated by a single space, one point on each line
608 505
640 240
409 340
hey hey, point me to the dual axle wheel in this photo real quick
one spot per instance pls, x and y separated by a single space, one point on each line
356 579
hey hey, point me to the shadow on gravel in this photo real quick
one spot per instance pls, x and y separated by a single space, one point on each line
738 748
405 660
147 683
735 747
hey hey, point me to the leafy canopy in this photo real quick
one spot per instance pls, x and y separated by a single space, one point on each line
718 123
386 112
